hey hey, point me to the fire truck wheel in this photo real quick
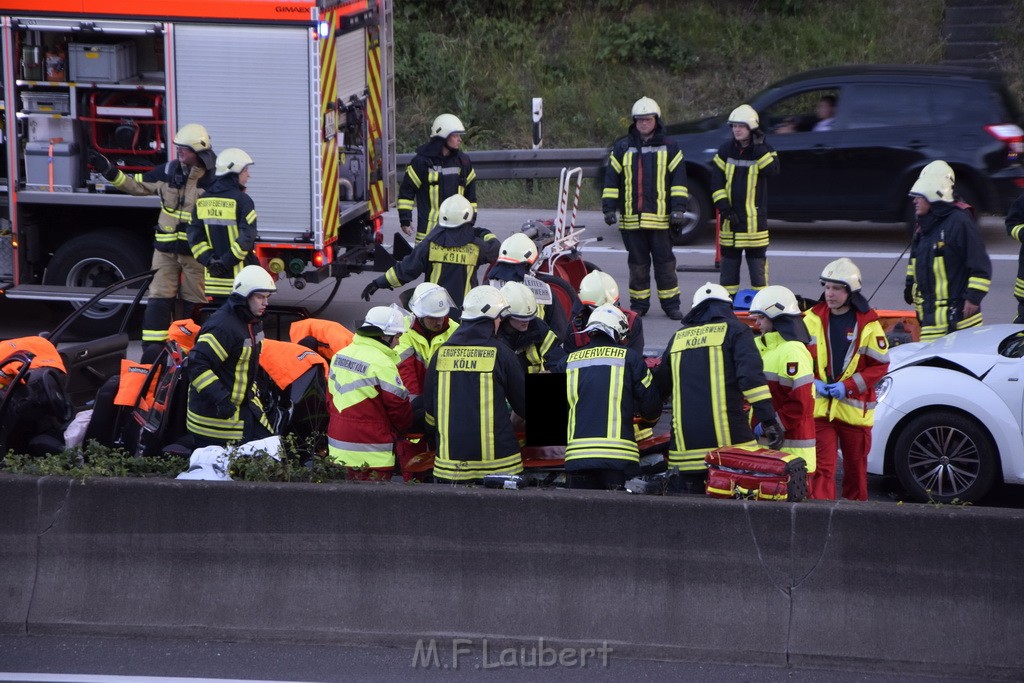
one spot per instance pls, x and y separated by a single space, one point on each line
97 260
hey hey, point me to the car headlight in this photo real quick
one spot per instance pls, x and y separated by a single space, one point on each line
882 388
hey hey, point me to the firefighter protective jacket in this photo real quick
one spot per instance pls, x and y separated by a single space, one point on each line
178 187
645 181
472 383
330 336
1015 229
369 406
537 349
710 369
222 371
577 339
789 369
415 349
866 362
552 314
430 178
449 257
223 229
738 183
948 265
607 384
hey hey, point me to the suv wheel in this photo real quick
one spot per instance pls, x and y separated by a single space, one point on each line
700 206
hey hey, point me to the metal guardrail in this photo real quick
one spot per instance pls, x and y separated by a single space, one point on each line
513 164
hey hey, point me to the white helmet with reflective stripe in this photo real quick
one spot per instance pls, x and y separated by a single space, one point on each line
598 288
232 160
518 248
844 272
710 290
746 115
454 212
610 320
773 301
446 124
253 279
390 320
430 300
935 183
645 106
521 301
484 301
193 136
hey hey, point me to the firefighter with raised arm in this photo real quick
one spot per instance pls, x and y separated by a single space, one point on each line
449 256
949 271
646 184
535 345
710 370
788 367
178 183
607 384
439 170
223 399
474 384
222 233
851 354
739 176
369 408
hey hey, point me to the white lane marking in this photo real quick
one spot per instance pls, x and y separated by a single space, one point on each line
91 678
785 252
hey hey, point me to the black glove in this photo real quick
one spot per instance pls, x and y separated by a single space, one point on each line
774 435
216 268
99 162
908 294
370 289
733 218
609 217
677 219
225 409
757 137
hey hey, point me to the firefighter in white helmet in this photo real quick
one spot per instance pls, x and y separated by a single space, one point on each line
710 369
430 327
369 406
439 170
222 233
223 398
535 345
516 257
646 184
949 271
474 384
607 384
739 189
788 367
598 288
178 183
851 354
449 256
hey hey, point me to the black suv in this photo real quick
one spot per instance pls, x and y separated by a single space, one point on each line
889 121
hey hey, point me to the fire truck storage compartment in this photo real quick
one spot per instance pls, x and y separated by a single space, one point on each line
46 102
97 63
128 125
53 165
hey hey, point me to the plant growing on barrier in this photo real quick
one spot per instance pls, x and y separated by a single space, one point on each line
94 460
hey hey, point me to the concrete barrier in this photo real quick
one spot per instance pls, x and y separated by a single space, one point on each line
923 588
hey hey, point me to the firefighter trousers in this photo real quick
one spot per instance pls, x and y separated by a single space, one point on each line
855 442
645 247
757 265
175 273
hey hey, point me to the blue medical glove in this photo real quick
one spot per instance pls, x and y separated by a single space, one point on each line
820 387
758 430
836 390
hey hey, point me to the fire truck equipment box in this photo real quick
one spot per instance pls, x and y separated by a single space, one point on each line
67 166
46 102
102 63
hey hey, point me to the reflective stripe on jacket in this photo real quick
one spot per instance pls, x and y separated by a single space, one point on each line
738 183
789 369
645 180
430 178
223 228
178 193
415 350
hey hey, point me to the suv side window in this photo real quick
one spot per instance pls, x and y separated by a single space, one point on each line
800 112
958 105
878 105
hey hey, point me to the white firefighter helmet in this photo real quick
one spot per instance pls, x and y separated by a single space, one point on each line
610 320
484 301
842 271
430 300
598 288
746 115
935 183
773 301
645 106
390 320
709 290
194 136
518 248
253 279
446 124
522 303
454 212
232 160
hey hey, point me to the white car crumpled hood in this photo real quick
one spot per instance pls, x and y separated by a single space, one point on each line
976 349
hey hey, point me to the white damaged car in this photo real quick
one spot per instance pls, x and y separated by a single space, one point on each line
950 412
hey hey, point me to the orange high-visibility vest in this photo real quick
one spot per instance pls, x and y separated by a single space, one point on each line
46 356
185 332
285 362
333 337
